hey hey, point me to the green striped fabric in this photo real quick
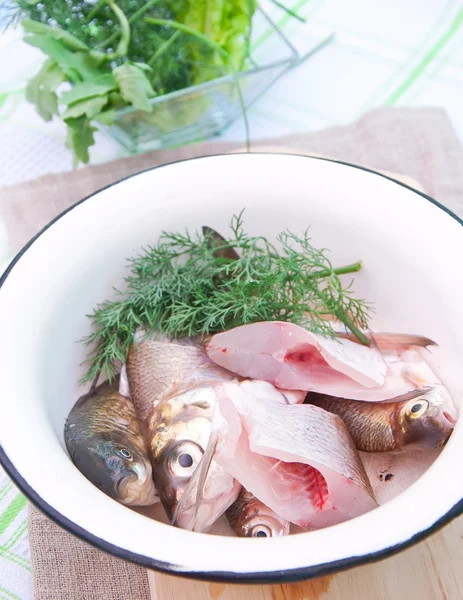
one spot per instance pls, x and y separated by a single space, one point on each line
15 567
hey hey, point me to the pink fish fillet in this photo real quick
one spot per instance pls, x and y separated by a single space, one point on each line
297 459
290 357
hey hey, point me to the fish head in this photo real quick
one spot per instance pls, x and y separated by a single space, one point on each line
180 430
424 422
117 468
262 525
252 518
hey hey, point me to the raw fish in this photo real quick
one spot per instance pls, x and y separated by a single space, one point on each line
299 460
291 357
104 439
418 422
173 387
249 517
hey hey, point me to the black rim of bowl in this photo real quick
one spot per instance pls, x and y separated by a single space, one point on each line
277 576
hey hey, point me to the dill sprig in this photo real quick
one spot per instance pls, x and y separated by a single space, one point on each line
184 286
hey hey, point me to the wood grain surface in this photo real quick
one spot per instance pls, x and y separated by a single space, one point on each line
430 570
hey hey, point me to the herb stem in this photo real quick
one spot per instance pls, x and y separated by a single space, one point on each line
344 318
352 268
124 31
136 15
95 10
141 11
165 46
193 32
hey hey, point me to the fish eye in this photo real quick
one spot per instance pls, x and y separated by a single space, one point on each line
125 454
261 531
417 407
184 458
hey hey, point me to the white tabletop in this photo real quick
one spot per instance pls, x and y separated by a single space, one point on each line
385 53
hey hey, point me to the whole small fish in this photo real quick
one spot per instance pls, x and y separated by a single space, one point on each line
174 388
249 517
418 422
105 442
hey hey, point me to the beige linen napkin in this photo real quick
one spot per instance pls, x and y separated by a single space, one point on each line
419 143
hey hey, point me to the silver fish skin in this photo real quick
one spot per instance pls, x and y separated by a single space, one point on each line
174 389
249 517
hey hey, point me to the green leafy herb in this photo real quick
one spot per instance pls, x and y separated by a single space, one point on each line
85 90
131 52
80 136
41 89
77 66
184 286
139 50
90 107
69 40
134 85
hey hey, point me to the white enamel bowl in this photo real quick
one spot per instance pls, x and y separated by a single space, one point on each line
412 250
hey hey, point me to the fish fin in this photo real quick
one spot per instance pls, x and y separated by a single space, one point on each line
215 239
400 341
393 341
186 494
204 471
197 480
421 391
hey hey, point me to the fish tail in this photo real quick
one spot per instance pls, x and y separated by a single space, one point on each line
215 241
387 342
400 341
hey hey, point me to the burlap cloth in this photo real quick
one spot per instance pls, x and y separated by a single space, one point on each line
416 142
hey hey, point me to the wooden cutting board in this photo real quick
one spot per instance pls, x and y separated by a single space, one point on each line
431 570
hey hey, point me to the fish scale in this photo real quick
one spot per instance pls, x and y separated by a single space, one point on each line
392 426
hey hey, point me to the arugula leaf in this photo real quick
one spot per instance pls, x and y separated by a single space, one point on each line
134 85
85 90
88 107
68 39
106 117
41 89
106 79
80 137
116 100
77 66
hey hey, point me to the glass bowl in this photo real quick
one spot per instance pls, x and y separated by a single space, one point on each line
202 111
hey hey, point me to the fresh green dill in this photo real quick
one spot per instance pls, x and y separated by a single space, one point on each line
184 286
